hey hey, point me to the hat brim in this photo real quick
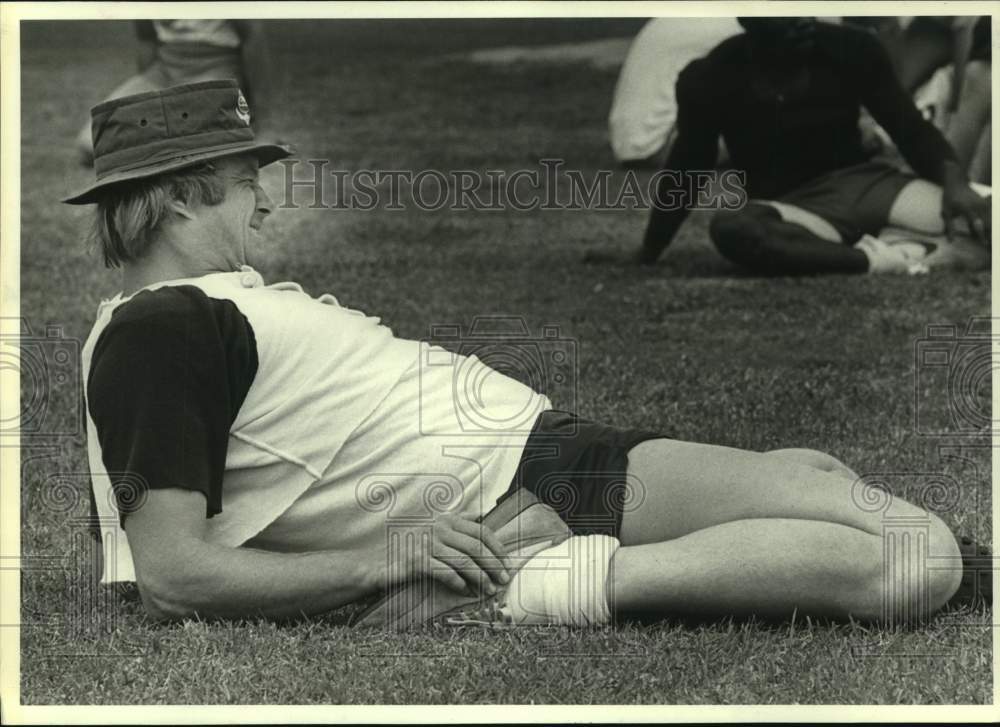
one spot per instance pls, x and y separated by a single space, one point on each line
265 153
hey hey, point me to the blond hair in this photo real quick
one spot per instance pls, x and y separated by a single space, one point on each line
130 215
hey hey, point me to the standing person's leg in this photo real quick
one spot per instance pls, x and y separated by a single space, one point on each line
725 531
966 125
149 80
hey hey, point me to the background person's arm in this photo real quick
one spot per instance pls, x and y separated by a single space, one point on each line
919 141
696 148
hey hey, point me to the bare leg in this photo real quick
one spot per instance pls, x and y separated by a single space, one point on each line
966 125
980 168
731 531
820 460
763 567
916 214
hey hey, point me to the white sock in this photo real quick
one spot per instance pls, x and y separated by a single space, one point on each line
565 584
881 257
894 256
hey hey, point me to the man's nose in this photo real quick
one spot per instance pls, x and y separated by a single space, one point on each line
265 204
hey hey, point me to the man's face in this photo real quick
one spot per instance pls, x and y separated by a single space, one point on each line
235 223
782 36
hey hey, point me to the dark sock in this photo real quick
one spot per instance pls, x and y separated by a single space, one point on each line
758 238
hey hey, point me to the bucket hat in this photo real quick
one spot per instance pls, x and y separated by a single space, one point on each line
146 134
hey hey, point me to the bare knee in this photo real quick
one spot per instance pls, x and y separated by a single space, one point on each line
916 575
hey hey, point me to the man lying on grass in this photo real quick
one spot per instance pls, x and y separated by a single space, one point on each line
258 446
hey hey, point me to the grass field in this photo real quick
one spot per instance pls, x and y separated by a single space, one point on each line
688 347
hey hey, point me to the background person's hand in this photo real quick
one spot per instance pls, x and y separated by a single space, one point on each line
959 200
463 555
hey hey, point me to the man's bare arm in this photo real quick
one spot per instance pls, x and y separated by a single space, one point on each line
180 574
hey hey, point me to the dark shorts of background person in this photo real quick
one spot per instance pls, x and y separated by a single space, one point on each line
579 468
855 200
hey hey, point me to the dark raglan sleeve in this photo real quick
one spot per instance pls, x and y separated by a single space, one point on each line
167 378
696 147
918 140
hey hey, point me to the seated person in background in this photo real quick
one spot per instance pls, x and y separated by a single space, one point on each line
643 111
172 52
257 451
785 96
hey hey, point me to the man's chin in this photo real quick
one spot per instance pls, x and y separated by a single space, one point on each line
259 254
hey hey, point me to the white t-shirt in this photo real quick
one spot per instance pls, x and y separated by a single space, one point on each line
644 108
343 429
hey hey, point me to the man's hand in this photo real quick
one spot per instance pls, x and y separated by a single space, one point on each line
959 200
464 555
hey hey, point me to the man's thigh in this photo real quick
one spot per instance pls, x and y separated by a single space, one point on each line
688 486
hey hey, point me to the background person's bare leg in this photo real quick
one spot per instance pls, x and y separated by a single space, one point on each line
965 128
916 215
139 83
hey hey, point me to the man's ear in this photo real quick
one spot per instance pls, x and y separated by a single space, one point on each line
181 208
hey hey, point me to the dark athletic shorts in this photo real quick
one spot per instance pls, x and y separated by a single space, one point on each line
855 200
578 467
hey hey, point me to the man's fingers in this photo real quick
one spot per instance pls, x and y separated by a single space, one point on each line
473 578
480 556
448 576
486 535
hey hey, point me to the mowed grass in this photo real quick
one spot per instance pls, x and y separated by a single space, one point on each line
689 347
